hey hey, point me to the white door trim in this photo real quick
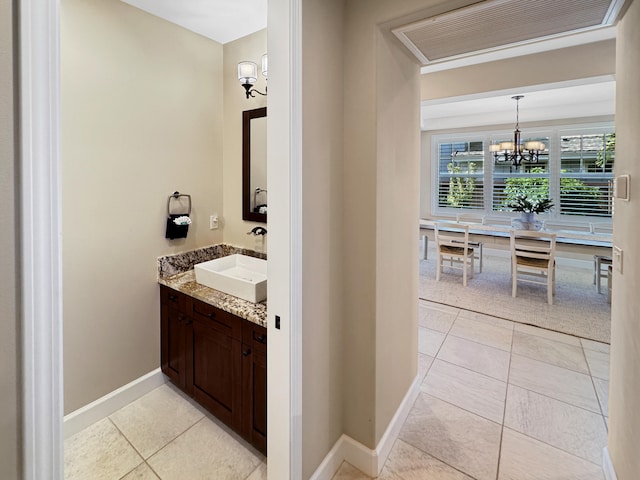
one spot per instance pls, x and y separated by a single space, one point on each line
41 267
295 253
284 182
40 226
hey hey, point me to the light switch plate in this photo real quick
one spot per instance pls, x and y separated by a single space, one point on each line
621 187
617 258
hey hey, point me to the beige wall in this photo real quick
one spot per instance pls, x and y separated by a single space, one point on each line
589 60
9 370
397 247
323 201
142 111
624 387
251 48
360 210
381 87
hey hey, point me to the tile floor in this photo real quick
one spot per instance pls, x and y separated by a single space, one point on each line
163 435
499 400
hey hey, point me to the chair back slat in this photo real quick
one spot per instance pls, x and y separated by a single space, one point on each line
452 242
453 235
533 255
534 244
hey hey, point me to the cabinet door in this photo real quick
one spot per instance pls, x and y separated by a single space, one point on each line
215 377
172 340
254 388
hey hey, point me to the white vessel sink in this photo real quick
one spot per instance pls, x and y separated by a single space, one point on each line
238 275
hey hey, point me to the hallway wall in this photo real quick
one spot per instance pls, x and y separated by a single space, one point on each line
381 165
323 201
624 387
583 61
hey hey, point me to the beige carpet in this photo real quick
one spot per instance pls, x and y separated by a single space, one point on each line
578 309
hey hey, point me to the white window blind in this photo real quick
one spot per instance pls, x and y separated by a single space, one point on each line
461 174
575 170
586 174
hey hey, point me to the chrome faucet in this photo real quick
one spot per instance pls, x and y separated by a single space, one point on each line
257 231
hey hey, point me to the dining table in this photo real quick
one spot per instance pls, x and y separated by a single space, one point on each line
588 239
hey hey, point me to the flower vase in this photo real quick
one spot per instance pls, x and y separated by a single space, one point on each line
527 217
527 221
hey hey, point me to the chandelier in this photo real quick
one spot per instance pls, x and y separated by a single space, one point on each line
514 152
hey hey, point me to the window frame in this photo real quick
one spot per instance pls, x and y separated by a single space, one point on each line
435 156
553 132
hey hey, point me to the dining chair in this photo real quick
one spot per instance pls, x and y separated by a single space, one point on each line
452 243
600 264
533 260
477 245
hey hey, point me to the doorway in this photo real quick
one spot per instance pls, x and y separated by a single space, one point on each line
41 219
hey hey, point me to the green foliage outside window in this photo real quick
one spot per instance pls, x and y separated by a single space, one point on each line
460 188
607 154
536 189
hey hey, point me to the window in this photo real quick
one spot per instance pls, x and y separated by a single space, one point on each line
460 174
575 170
586 174
530 179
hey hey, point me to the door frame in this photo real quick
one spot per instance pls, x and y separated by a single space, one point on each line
40 231
41 239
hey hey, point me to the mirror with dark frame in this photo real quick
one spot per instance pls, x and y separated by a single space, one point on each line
254 165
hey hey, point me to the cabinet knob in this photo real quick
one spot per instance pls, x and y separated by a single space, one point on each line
247 352
261 338
212 315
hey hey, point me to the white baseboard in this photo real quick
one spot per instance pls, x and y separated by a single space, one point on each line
365 459
393 429
103 407
607 465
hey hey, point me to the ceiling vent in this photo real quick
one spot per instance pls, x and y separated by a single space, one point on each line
496 24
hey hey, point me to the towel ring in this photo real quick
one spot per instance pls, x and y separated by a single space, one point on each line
176 196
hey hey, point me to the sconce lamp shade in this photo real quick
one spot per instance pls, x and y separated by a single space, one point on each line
247 72
248 75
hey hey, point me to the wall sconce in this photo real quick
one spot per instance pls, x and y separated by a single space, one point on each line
248 75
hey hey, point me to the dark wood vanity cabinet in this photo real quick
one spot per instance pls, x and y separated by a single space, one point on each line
254 385
172 335
219 359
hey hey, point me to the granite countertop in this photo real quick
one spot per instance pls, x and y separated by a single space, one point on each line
176 271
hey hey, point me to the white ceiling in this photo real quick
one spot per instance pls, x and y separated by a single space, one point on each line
591 97
219 20
228 20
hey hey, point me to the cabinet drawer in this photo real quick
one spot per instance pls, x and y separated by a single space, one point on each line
219 320
173 298
255 336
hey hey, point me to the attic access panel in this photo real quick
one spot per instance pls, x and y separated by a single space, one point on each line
495 24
